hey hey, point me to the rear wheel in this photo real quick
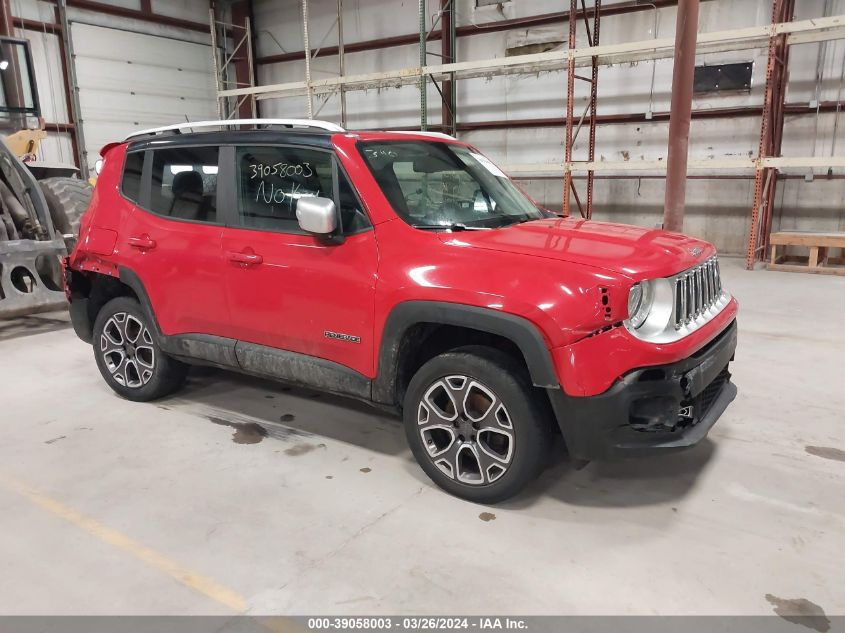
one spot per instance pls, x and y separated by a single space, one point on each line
127 355
67 199
475 425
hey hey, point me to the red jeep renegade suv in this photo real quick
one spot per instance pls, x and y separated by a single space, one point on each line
407 270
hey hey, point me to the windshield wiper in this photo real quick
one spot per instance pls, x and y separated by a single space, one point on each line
454 227
510 221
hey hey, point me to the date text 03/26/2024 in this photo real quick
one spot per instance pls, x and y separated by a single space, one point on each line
417 623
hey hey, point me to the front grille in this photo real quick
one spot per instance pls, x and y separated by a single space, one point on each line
697 291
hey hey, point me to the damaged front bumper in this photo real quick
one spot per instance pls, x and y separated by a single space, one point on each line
652 408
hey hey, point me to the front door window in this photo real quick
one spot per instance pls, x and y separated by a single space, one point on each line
272 179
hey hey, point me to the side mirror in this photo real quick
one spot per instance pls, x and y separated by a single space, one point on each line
316 215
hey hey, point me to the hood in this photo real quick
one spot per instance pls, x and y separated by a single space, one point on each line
633 251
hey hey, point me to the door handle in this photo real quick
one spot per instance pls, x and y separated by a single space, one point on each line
142 241
247 259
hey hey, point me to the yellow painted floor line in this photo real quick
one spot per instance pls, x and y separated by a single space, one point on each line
199 583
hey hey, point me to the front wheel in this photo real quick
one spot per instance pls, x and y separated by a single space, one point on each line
475 424
128 356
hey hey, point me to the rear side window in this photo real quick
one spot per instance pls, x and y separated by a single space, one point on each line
272 179
184 183
132 170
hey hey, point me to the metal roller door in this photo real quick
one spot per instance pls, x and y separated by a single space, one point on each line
131 81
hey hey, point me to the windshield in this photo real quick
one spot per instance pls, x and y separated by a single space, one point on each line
442 186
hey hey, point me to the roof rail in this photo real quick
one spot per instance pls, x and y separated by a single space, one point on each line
301 123
431 134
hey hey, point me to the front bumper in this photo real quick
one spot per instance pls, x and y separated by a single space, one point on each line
654 408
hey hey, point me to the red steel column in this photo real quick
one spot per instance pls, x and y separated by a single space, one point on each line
570 110
594 92
680 114
771 135
241 17
7 27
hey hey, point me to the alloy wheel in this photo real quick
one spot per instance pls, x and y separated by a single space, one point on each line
126 345
466 430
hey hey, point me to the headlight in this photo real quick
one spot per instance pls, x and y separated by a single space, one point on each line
98 166
640 301
666 310
650 309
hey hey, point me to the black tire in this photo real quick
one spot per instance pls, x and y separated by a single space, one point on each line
135 368
67 199
526 450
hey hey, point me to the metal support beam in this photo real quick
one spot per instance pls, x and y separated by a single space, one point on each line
592 28
771 136
800 32
659 165
686 32
219 82
447 51
74 111
495 26
233 69
242 55
7 27
622 118
423 81
594 85
341 61
307 45
147 16
570 112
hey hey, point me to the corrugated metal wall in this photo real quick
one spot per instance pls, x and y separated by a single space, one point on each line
132 81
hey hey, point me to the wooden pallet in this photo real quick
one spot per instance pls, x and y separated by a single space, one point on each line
819 260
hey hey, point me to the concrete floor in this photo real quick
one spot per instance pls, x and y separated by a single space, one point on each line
108 506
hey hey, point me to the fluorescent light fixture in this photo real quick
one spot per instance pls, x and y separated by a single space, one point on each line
206 169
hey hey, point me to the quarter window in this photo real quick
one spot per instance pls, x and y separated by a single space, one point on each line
351 214
184 183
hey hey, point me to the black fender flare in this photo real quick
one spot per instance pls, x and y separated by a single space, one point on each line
522 332
83 318
131 279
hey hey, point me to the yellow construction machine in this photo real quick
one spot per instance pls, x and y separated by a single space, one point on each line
40 202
